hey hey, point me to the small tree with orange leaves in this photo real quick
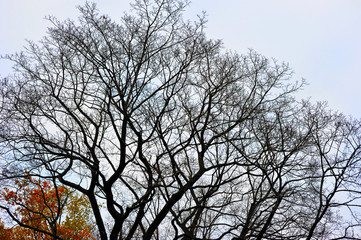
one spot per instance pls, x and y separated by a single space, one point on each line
43 210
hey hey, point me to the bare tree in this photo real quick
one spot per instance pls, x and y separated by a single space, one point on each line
176 137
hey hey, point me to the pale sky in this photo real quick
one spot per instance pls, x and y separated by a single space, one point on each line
320 39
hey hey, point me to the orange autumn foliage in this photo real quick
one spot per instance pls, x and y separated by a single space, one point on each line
46 211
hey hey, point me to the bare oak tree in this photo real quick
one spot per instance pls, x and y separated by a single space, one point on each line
172 137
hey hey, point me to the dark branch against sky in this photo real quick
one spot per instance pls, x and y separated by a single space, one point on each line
319 39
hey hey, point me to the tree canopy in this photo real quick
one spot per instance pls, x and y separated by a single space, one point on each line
175 136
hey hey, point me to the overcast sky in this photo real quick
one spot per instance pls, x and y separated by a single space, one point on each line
320 39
